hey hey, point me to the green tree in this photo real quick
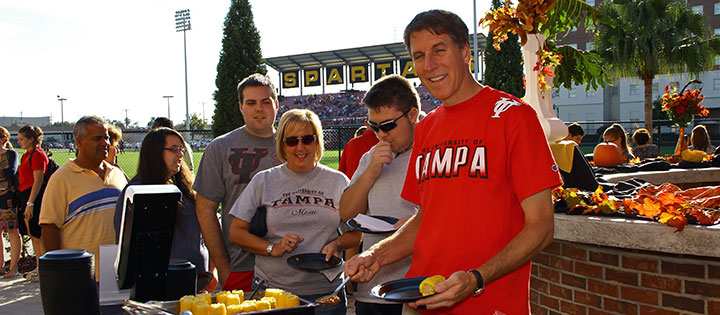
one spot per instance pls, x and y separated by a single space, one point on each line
196 123
240 56
651 37
504 67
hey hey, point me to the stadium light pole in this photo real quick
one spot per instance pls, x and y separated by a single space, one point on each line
182 24
168 97
62 117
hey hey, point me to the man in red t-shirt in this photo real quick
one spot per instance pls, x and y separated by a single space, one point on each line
482 172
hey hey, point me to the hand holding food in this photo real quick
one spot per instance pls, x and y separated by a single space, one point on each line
427 286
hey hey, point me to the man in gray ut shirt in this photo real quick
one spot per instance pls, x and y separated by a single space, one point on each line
227 166
393 110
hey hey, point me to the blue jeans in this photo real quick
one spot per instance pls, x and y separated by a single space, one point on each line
337 309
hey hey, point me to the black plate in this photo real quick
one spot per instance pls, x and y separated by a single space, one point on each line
355 226
313 262
403 290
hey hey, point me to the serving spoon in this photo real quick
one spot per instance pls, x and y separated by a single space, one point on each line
332 299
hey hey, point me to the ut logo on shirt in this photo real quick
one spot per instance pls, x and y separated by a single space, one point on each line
243 163
502 105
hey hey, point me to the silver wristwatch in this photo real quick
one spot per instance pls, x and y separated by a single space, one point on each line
270 248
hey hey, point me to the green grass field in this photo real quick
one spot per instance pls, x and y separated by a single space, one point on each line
128 160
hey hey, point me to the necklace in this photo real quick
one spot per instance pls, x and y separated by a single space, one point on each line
403 151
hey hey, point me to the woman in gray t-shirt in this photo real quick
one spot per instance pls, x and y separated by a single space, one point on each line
302 198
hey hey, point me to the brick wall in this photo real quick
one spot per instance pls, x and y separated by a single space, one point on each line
572 278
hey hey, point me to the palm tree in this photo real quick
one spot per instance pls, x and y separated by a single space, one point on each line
651 37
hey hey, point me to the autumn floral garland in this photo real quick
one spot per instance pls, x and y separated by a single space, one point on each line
667 204
523 20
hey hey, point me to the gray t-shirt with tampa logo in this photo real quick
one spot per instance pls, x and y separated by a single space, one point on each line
303 204
226 168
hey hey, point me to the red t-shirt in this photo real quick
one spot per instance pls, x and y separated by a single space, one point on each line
25 172
471 166
354 150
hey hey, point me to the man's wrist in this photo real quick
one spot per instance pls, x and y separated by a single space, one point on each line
30 204
479 282
270 248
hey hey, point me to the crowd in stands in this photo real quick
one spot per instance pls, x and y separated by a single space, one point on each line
345 107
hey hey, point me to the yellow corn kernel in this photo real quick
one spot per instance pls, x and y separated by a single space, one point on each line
427 286
232 299
291 300
233 309
186 303
248 306
240 294
263 305
205 296
220 296
201 309
271 300
217 309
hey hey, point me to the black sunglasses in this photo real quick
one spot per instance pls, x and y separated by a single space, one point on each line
387 125
306 140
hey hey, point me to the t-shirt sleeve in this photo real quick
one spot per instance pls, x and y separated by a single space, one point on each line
209 179
529 157
246 205
411 187
54 202
362 166
39 161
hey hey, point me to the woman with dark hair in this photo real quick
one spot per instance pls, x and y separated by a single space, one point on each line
31 172
161 162
700 140
8 212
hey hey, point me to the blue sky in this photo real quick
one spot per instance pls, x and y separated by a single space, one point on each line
105 57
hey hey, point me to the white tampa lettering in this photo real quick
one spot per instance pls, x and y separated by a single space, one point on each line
441 165
502 105
460 159
448 162
478 167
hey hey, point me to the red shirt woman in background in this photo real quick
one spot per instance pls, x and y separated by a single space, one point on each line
31 173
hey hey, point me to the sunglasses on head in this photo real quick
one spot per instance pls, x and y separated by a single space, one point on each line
306 140
387 125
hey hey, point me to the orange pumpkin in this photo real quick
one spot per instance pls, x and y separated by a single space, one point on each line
607 154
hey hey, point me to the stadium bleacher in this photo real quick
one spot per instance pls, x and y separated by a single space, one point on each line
343 108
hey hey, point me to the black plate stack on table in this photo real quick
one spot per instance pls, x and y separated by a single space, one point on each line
313 262
67 282
402 290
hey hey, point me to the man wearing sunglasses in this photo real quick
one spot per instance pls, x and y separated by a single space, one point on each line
481 171
227 166
393 109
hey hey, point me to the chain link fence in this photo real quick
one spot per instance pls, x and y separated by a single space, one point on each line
60 145
337 134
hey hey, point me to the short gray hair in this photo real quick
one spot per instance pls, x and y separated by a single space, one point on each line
80 129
